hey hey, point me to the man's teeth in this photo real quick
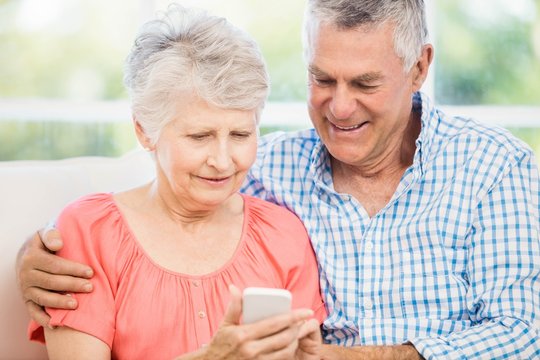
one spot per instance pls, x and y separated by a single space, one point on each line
348 127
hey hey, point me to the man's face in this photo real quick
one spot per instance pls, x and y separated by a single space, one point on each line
360 97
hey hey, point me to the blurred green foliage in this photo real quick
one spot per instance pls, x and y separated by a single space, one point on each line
487 52
70 50
81 54
531 136
53 140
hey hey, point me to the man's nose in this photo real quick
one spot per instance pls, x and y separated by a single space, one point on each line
343 103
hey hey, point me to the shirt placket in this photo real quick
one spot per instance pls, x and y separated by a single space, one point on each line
356 215
202 324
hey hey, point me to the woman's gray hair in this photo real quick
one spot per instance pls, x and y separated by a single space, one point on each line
187 51
410 32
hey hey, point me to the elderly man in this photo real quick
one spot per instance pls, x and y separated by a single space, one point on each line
425 226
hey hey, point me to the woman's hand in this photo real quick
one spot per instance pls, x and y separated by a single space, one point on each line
41 276
272 338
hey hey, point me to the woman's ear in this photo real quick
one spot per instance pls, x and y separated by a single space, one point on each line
421 68
141 136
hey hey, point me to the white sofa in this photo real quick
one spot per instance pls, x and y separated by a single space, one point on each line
31 194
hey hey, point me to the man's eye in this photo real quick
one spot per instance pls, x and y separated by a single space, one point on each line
241 135
323 81
365 86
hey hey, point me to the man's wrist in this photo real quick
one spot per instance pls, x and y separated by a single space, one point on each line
390 352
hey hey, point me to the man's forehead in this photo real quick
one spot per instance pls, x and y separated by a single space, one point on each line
356 52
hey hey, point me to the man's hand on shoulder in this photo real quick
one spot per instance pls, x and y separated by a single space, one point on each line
42 276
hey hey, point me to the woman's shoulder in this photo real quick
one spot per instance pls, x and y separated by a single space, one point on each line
90 216
272 218
92 225
275 233
87 207
267 208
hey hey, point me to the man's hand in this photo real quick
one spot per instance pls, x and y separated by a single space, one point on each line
43 276
309 341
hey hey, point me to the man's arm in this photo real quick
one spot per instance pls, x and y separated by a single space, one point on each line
395 352
42 276
503 272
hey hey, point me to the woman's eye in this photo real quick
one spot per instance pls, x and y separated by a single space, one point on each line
198 136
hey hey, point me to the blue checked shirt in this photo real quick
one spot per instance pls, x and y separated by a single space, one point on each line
451 264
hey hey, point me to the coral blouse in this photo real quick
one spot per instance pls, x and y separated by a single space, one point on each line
144 311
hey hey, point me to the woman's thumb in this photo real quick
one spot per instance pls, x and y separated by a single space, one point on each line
234 310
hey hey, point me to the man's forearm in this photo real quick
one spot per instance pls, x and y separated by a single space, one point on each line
393 352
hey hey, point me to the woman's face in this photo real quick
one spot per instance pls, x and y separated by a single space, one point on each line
204 153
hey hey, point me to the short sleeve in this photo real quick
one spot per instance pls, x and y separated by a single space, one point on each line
89 238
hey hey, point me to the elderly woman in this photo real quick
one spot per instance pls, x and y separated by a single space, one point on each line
165 254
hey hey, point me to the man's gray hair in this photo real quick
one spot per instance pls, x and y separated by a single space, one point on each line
187 51
408 16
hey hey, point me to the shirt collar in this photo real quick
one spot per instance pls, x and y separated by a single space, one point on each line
321 165
428 133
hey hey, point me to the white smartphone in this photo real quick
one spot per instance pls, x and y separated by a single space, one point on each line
259 303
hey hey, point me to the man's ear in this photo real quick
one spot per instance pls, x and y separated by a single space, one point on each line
141 136
421 68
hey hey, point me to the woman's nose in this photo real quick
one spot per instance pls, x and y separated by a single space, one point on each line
219 158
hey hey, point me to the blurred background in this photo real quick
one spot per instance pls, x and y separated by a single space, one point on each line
61 63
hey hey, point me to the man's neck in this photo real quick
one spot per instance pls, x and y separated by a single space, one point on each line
374 185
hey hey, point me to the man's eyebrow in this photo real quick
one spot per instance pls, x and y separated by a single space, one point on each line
363 78
368 77
316 71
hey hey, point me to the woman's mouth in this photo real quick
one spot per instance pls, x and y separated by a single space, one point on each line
221 179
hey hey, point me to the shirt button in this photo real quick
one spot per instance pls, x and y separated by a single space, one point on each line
196 283
369 245
368 304
202 314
